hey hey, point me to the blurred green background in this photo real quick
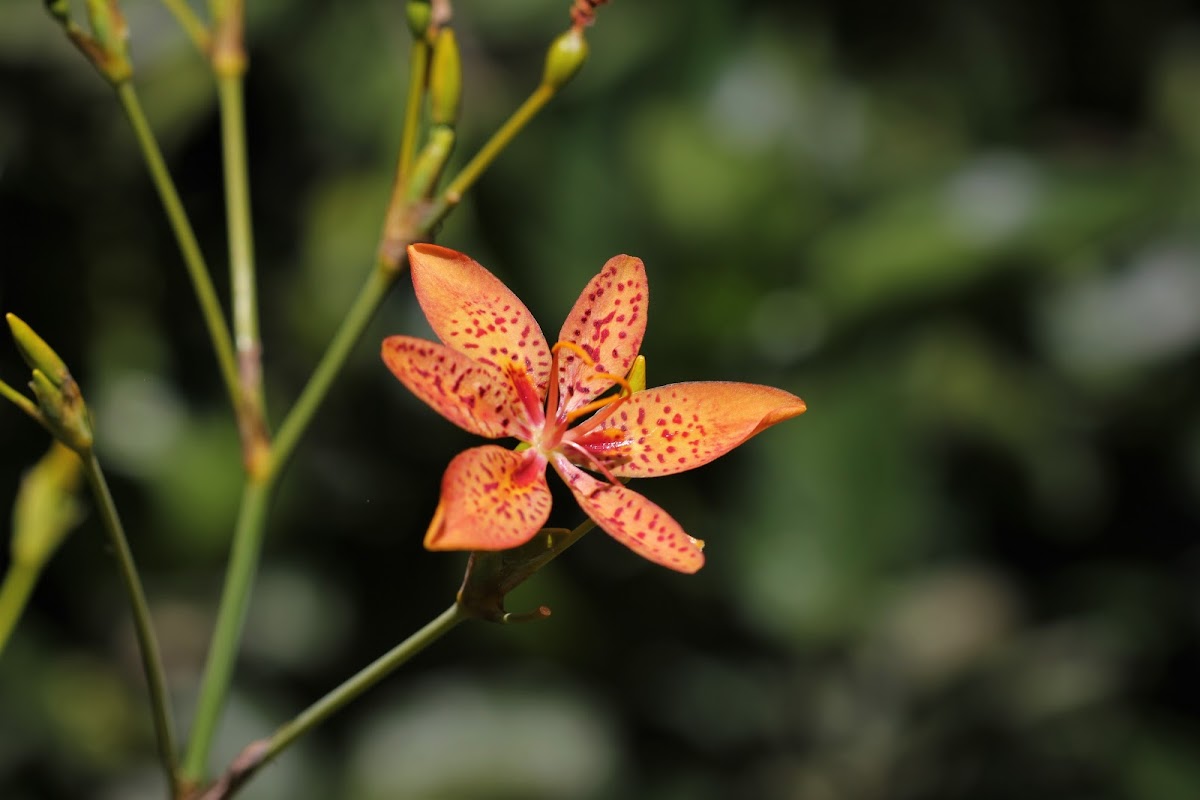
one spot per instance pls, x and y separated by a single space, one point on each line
967 234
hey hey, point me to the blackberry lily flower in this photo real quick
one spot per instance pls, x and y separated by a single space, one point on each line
495 375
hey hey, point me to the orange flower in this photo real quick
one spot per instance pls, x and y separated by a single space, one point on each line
494 375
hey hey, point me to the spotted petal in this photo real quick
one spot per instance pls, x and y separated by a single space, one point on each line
472 311
492 499
608 321
680 426
479 398
633 520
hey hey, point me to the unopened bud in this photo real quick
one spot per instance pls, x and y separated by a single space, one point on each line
111 33
60 10
419 15
445 79
36 353
564 58
46 507
63 410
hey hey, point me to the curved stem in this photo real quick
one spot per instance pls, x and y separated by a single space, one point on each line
191 23
218 668
147 642
14 595
210 306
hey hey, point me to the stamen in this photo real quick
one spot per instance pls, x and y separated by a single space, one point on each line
589 361
578 350
604 401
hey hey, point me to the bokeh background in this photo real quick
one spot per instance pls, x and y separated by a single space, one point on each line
968 234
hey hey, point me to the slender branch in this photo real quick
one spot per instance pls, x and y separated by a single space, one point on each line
248 534
418 68
218 669
147 642
258 754
191 23
357 318
241 256
193 259
14 595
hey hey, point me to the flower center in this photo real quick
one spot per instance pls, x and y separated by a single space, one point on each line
586 441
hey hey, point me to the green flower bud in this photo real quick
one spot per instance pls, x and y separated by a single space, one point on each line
419 16
46 508
65 413
445 79
36 353
60 10
112 35
63 410
564 58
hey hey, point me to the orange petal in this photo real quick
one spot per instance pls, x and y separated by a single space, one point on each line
472 311
608 321
479 398
492 499
678 427
633 520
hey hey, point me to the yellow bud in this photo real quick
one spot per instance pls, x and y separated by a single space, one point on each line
564 58
36 353
60 10
419 15
46 507
637 375
445 79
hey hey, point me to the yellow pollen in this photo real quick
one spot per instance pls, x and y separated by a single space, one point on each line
595 404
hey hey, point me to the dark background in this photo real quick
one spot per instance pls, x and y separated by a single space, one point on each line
967 234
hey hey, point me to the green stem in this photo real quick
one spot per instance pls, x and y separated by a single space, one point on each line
357 318
218 669
147 642
466 178
261 752
191 23
241 243
418 67
210 306
14 595
248 534
364 679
